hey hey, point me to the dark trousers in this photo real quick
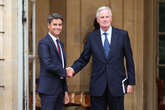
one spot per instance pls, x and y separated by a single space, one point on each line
49 102
107 100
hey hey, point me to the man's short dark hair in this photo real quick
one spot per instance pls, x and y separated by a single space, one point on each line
54 16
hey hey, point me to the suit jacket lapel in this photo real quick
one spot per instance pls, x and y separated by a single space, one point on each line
53 45
113 43
63 51
100 45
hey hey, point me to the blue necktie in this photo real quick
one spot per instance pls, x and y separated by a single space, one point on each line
106 45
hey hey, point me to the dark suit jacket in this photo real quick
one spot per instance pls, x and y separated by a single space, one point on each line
109 71
51 67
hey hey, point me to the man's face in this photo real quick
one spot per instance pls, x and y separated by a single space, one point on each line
104 19
55 27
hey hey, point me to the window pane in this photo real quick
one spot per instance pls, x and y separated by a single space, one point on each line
161 49
161 17
162 75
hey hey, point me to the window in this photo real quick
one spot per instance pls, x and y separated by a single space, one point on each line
161 39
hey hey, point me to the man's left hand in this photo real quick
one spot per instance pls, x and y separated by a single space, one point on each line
129 89
66 98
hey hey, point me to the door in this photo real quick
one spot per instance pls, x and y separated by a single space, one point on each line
29 54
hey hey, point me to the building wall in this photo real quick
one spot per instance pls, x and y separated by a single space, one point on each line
136 16
8 55
150 54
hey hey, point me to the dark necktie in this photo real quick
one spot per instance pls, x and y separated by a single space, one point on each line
59 52
58 47
106 45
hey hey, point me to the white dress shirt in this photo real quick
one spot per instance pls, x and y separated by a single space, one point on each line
109 35
54 40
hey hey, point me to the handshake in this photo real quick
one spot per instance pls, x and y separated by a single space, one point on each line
69 72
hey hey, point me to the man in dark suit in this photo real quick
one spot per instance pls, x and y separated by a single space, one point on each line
108 47
52 81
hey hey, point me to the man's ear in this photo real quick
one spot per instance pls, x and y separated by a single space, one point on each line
97 20
111 20
48 25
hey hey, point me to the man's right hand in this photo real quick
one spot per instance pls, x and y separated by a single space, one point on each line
69 72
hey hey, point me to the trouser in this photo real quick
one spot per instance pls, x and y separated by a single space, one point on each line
52 102
107 100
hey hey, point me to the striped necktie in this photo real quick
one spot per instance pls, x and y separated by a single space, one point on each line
58 47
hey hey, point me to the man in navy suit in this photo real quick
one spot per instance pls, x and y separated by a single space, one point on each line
108 47
52 81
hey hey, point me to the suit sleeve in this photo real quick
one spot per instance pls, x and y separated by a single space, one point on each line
46 60
84 57
65 86
129 60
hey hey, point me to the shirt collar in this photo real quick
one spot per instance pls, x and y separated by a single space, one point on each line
53 37
108 31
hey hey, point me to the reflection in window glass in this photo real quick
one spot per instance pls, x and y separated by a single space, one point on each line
162 75
161 17
161 49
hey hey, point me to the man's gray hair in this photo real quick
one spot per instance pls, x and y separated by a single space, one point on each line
54 16
103 8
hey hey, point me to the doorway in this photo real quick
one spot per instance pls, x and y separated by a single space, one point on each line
34 19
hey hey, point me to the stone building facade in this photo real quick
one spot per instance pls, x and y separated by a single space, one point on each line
22 20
